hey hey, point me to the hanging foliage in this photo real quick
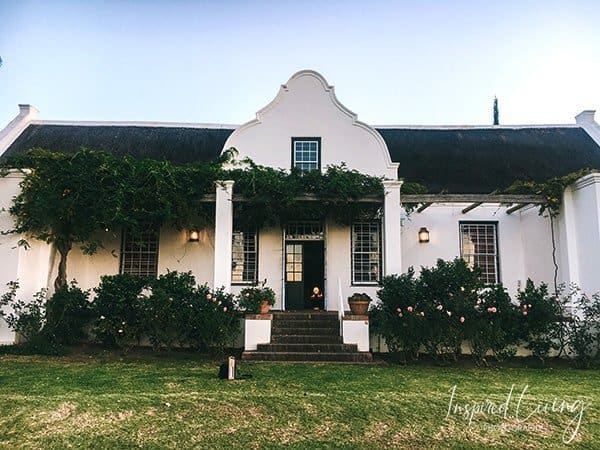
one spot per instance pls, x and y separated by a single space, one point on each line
66 199
552 189
271 196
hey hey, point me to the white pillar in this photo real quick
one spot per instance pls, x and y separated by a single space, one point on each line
392 242
223 235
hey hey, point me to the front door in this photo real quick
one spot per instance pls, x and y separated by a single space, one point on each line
304 270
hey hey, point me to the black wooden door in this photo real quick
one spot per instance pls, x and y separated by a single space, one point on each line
304 269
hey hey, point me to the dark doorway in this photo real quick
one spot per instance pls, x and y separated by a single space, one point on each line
304 269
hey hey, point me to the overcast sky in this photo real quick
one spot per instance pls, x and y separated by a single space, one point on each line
403 62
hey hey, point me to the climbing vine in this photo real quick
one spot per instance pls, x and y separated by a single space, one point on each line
552 189
68 199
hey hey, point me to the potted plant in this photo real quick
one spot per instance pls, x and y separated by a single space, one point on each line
359 303
257 299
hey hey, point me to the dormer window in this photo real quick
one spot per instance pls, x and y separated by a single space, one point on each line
306 153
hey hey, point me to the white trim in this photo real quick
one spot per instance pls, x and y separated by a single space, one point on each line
474 127
587 180
100 123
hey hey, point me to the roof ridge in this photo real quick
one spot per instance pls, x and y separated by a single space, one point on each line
473 127
109 123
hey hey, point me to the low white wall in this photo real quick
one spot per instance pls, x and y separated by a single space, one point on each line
257 331
356 332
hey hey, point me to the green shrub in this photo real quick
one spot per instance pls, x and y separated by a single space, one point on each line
541 315
67 314
583 331
396 318
448 294
213 321
168 310
118 310
493 325
25 318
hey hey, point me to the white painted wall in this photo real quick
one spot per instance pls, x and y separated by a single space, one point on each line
175 253
523 239
9 253
30 267
579 234
306 106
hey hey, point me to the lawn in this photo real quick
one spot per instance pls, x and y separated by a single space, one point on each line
113 402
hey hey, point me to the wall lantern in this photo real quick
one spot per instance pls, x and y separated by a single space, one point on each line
194 235
423 235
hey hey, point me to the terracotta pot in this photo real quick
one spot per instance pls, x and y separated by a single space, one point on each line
264 307
359 307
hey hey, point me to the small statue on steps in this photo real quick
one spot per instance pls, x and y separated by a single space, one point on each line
316 299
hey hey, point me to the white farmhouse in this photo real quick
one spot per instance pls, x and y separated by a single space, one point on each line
306 126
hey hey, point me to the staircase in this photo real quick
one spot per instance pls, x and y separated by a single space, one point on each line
307 336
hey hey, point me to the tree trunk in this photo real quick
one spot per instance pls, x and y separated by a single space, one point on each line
61 278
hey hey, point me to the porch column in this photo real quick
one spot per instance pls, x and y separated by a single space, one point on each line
223 235
392 242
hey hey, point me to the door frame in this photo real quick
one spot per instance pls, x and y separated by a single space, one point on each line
324 227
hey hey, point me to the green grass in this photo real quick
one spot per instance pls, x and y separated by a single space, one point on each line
104 401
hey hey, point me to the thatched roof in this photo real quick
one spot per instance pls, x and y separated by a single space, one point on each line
481 160
466 160
177 144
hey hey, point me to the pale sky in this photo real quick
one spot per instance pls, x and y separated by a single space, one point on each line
402 62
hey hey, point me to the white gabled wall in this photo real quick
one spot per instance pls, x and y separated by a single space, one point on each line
306 106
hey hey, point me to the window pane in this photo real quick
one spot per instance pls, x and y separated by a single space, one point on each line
479 248
244 257
366 254
139 253
306 155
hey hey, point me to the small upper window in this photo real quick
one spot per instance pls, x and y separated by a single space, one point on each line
306 153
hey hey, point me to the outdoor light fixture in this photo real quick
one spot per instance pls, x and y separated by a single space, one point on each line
423 235
194 236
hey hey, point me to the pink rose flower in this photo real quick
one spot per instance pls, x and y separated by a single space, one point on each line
398 310
409 309
462 319
208 296
524 313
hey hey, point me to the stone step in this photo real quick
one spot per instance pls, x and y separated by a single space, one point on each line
292 315
356 357
308 323
310 348
310 331
306 339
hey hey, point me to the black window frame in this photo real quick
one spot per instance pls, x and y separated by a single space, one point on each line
256 243
127 239
377 282
497 244
306 139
